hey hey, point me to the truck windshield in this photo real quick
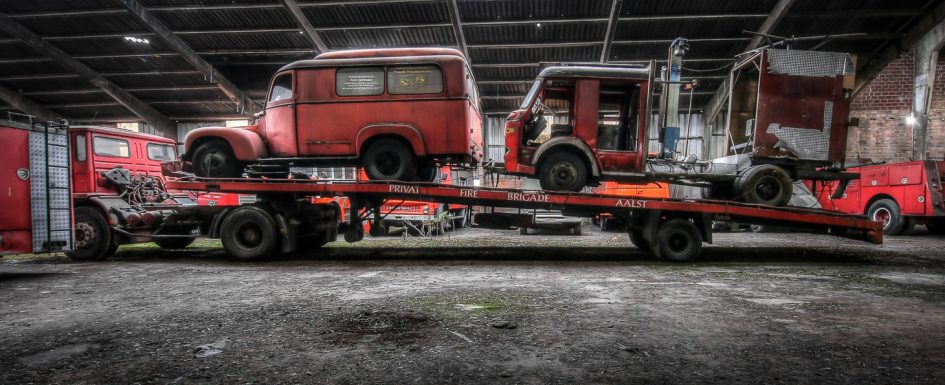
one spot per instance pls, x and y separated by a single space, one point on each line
531 94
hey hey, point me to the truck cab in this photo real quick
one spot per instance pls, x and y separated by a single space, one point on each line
578 125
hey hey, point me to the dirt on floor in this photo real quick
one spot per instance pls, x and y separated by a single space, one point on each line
484 306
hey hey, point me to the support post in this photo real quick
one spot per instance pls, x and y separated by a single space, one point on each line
926 57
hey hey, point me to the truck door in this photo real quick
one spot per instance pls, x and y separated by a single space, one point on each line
621 131
279 128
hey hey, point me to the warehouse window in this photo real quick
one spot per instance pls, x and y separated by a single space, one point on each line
80 148
163 152
110 147
281 88
404 80
361 81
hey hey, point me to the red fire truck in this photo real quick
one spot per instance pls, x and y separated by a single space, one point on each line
900 195
581 125
398 112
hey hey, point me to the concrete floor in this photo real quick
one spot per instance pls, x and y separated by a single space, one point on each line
485 306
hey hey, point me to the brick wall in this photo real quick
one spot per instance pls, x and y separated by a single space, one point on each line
882 108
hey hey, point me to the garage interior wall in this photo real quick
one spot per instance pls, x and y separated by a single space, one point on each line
882 107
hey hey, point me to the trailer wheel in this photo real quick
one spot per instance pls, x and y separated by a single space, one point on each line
936 225
250 233
636 238
93 237
887 212
174 243
766 184
678 240
562 171
389 159
215 159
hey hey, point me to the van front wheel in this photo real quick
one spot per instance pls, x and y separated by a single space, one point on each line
389 159
215 159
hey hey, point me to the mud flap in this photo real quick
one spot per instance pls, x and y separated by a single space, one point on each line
290 230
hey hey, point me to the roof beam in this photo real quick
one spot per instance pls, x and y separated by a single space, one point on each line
202 87
136 106
27 105
911 32
709 16
487 23
302 21
780 9
457 23
611 30
105 74
163 32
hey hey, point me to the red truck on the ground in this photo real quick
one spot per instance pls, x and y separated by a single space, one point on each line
400 113
900 195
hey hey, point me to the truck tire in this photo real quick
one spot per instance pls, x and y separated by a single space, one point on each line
93 237
562 171
389 159
250 233
887 212
678 240
936 225
215 159
765 184
636 238
427 171
174 243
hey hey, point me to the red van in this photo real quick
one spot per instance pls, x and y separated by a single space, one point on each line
400 113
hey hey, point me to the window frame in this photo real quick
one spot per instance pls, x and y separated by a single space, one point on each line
272 87
147 149
383 83
97 153
81 148
388 68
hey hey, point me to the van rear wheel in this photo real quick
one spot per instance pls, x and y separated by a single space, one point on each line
389 159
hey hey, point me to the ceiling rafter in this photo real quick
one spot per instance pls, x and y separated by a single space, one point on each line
26 105
457 24
164 33
302 21
611 30
154 118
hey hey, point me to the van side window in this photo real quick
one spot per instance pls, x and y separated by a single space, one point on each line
281 88
406 80
80 148
163 152
360 81
110 147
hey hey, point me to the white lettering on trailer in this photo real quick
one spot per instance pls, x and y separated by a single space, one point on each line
631 203
468 193
528 197
396 188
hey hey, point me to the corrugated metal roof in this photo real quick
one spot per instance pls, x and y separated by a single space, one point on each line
503 54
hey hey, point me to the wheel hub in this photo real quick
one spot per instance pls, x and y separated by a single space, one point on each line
882 215
564 174
768 189
678 242
85 235
249 234
216 162
388 163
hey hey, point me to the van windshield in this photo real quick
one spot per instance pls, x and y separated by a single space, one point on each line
531 94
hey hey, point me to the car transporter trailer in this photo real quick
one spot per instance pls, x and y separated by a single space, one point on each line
672 229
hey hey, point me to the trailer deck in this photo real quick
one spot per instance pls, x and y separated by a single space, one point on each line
673 229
